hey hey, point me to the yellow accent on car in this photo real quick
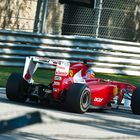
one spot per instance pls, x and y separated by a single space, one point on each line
71 73
115 91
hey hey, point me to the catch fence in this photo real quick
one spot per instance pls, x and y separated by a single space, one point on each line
118 20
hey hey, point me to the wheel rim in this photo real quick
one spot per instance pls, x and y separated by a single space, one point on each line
85 100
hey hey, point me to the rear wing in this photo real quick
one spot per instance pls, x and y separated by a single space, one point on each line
32 63
45 60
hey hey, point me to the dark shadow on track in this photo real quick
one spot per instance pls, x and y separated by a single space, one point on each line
101 119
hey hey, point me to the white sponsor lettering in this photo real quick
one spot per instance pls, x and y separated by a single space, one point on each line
56 83
59 78
98 99
55 89
62 69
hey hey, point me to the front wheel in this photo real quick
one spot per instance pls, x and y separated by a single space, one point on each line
135 101
78 98
16 88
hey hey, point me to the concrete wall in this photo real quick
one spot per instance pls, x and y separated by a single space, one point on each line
17 14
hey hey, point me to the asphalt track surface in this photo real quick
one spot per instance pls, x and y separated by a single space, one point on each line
59 124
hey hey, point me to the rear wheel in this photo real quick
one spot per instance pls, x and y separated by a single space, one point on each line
78 98
135 101
16 88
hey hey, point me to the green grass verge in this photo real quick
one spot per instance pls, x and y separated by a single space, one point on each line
45 76
41 75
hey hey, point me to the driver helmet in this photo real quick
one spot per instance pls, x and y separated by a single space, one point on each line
90 73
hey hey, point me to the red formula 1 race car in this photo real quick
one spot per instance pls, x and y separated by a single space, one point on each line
74 85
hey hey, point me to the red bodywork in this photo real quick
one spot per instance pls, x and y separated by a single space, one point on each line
102 91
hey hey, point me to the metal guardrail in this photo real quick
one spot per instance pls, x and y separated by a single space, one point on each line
109 56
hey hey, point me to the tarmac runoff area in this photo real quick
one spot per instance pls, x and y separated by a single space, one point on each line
30 121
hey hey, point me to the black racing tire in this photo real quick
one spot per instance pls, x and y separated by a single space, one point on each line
135 101
16 88
78 98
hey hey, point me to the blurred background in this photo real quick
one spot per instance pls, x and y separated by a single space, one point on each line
119 20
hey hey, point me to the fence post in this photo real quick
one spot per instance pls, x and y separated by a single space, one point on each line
99 18
44 14
37 16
